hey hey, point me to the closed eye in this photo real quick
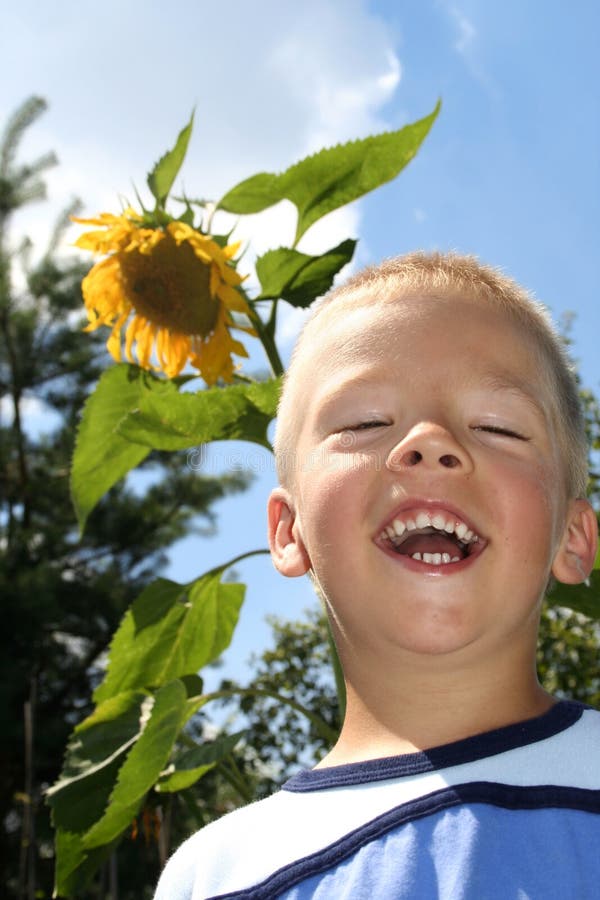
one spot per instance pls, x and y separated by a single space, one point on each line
363 426
497 429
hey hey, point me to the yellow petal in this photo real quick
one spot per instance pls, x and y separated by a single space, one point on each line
231 249
135 326
145 341
232 299
113 344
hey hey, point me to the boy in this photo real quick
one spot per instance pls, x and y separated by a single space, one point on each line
432 465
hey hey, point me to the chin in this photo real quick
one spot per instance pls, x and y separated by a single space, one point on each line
431 646
437 638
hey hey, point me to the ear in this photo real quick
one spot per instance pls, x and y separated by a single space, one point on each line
285 541
574 559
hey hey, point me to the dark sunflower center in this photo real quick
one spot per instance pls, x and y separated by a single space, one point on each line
170 286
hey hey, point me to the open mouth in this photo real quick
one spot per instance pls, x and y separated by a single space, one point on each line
436 538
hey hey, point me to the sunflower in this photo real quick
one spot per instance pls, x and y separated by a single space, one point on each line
173 288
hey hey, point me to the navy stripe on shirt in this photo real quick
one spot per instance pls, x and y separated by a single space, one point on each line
504 796
510 737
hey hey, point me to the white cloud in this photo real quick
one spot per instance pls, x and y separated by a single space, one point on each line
468 45
271 83
466 30
342 93
274 82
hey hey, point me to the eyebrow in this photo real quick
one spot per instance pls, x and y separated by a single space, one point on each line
493 381
369 381
506 383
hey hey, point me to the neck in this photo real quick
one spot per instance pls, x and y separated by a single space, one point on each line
416 710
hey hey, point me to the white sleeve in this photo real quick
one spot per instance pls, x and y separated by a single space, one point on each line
177 879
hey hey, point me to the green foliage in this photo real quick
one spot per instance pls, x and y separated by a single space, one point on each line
297 277
74 865
280 737
161 178
333 177
118 754
132 411
95 751
569 655
171 630
579 597
169 633
101 455
92 808
63 596
166 420
143 764
194 763
21 184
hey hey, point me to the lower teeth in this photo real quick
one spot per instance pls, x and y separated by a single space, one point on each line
435 559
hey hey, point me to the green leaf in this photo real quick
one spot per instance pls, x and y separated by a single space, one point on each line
297 277
195 763
104 810
161 178
579 597
102 456
143 765
173 421
94 754
193 685
171 630
75 866
187 217
333 177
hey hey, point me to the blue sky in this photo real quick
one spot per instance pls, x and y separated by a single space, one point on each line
510 171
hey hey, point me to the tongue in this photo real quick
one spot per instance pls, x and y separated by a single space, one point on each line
429 543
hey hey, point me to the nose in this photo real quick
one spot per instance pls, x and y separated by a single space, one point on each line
430 446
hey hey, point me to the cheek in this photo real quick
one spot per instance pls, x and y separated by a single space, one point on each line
331 507
527 499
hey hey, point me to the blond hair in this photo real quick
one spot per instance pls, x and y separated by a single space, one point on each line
453 275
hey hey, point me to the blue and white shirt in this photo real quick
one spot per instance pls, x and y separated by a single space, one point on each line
513 813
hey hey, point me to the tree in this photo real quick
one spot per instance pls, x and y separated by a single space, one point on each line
63 596
569 655
291 702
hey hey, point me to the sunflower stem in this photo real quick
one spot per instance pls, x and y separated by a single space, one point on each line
338 672
235 779
328 733
270 326
268 343
232 562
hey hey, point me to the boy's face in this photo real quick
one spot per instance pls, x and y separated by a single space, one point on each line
429 493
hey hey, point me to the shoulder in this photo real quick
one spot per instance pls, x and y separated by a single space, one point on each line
582 747
230 850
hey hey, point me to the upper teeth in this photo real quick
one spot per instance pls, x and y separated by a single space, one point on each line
438 520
